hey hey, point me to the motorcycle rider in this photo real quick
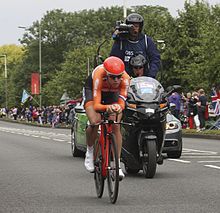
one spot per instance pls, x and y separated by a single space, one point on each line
136 42
105 90
138 66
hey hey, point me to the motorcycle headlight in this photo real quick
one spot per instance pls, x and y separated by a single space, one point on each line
171 125
133 106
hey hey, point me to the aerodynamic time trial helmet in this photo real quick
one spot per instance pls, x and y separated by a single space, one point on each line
114 65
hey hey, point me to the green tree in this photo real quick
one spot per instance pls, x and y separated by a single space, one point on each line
194 47
14 56
70 40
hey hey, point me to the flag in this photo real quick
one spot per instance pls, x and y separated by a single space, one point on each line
215 102
35 83
25 96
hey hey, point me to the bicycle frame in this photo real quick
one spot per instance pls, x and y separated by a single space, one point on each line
106 128
106 159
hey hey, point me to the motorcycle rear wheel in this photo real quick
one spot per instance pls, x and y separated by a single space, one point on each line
150 159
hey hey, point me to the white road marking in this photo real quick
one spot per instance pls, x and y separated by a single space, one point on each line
212 166
197 153
42 134
211 161
56 139
178 160
202 151
43 137
35 136
202 156
61 134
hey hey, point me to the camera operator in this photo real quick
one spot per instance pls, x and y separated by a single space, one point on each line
130 41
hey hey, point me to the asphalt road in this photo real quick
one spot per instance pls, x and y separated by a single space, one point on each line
39 174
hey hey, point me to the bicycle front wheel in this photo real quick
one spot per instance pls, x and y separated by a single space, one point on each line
113 170
99 179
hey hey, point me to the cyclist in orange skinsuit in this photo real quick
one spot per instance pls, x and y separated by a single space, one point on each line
105 90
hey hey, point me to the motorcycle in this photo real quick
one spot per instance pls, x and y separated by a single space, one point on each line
146 108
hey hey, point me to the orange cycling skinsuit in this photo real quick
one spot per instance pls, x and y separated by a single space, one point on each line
105 90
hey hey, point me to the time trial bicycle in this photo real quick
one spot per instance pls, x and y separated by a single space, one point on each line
106 161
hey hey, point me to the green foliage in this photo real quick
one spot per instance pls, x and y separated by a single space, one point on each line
69 42
195 47
74 71
14 55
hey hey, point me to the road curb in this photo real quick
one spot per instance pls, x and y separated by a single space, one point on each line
184 135
216 137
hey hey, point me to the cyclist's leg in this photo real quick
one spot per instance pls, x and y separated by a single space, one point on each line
91 132
91 136
93 116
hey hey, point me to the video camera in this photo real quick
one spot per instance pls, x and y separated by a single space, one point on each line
123 29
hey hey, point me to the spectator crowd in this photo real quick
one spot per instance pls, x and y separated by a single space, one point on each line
192 109
51 115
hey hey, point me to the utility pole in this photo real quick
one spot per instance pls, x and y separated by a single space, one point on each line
125 9
6 80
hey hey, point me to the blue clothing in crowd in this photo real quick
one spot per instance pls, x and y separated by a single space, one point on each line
176 99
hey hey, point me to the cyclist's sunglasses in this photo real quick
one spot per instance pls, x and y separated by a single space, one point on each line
138 67
114 76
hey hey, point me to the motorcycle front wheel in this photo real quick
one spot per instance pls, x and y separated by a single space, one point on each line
149 159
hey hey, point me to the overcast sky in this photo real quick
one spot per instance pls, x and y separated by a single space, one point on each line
14 13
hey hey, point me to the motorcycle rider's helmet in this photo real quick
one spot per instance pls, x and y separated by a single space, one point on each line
114 66
138 61
135 18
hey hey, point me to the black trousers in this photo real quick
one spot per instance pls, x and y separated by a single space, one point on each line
201 118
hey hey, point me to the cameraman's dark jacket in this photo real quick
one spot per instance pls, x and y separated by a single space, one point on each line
125 49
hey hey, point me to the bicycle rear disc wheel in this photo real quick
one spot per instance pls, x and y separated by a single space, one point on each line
99 179
113 170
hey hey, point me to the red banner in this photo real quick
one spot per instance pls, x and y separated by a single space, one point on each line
35 82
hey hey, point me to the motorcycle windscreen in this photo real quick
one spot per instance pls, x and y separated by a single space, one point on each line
146 89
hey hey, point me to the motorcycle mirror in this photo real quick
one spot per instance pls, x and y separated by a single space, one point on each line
177 87
172 106
79 110
172 89
98 59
